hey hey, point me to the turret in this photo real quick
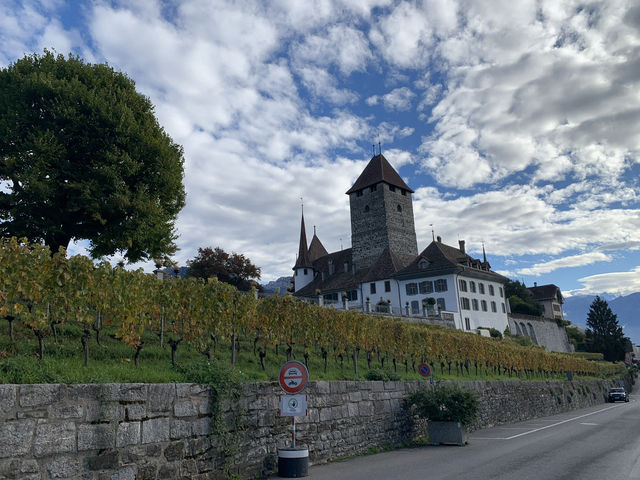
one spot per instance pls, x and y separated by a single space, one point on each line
303 269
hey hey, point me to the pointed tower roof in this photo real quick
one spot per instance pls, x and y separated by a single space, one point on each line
378 170
316 249
303 260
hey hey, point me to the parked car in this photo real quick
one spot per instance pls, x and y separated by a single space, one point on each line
616 394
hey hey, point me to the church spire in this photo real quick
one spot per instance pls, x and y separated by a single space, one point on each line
303 260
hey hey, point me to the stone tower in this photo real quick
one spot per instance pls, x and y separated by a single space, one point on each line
381 215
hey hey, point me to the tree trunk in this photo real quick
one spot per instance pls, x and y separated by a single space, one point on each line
174 346
10 319
40 336
136 357
262 354
356 351
325 355
233 348
55 241
85 346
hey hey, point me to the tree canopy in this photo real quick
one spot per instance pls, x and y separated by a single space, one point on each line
233 268
82 156
604 334
521 300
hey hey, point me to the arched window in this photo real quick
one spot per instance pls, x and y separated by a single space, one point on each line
366 208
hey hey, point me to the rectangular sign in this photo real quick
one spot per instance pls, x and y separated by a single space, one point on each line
293 405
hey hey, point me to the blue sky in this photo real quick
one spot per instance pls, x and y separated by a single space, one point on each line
516 123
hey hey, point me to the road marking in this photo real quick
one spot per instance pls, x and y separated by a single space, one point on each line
594 424
546 426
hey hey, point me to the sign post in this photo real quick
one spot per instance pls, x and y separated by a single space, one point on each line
293 462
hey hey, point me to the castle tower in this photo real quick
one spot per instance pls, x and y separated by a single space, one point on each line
381 215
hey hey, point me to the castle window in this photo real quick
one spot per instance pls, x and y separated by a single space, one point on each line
503 309
493 307
472 286
404 192
399 208
330 297
440 285
426 287
501 294
366 208
412 288
373 188
372 288
464 303
483 305
441 304
467 323
474 303
359 193
491 290
387 285
463 285
332 268
392 188
481 288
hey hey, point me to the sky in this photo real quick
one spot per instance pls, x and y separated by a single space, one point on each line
516 123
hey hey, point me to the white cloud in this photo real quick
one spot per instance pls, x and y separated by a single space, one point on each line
321 84
616 283
566 262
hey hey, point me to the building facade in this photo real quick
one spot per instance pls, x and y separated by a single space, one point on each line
383 270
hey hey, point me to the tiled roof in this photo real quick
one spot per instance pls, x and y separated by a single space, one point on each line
378 170
439 258
386 265
545 292
316 249
339 280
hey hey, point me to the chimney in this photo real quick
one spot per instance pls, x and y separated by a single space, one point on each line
461 243
535 284
439 239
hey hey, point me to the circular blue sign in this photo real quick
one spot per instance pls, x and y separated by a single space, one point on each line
424 370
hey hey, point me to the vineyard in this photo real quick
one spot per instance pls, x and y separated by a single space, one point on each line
98 306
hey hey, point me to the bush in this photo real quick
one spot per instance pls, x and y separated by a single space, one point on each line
375 374
445 403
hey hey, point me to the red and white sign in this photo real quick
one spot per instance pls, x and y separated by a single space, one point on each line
293 377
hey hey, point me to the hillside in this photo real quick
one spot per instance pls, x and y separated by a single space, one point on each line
627 309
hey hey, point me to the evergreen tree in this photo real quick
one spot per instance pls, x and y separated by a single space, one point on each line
604 335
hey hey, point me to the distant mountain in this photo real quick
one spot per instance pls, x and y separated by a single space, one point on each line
627 309
282 283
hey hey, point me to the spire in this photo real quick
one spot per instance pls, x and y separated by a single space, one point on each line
303 253
484 254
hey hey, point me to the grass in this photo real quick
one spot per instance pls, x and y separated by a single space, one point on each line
112 361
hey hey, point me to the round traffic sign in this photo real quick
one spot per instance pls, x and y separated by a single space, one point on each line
293 377
424 370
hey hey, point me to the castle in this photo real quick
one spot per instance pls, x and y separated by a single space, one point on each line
383 271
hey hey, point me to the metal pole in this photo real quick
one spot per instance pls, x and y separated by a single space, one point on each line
293 432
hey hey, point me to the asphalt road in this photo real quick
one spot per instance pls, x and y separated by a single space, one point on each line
600 442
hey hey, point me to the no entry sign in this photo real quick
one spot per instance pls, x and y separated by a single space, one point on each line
424 370
293 377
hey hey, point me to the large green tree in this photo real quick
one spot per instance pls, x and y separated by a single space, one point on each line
234 268
82 156
604 335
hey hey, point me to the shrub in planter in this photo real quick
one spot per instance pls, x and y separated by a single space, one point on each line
448 408
445 403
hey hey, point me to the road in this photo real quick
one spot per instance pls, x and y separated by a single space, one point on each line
595 443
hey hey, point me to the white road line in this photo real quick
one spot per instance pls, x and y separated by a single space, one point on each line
545 427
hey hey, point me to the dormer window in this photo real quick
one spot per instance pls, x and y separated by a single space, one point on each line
359 193
404 192
423 264
332 268
392 188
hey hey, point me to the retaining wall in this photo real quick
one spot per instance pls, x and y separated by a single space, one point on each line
164 431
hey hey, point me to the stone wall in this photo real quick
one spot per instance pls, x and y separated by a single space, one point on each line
543 331
164 431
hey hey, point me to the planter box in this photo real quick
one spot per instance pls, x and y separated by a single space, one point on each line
447 433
